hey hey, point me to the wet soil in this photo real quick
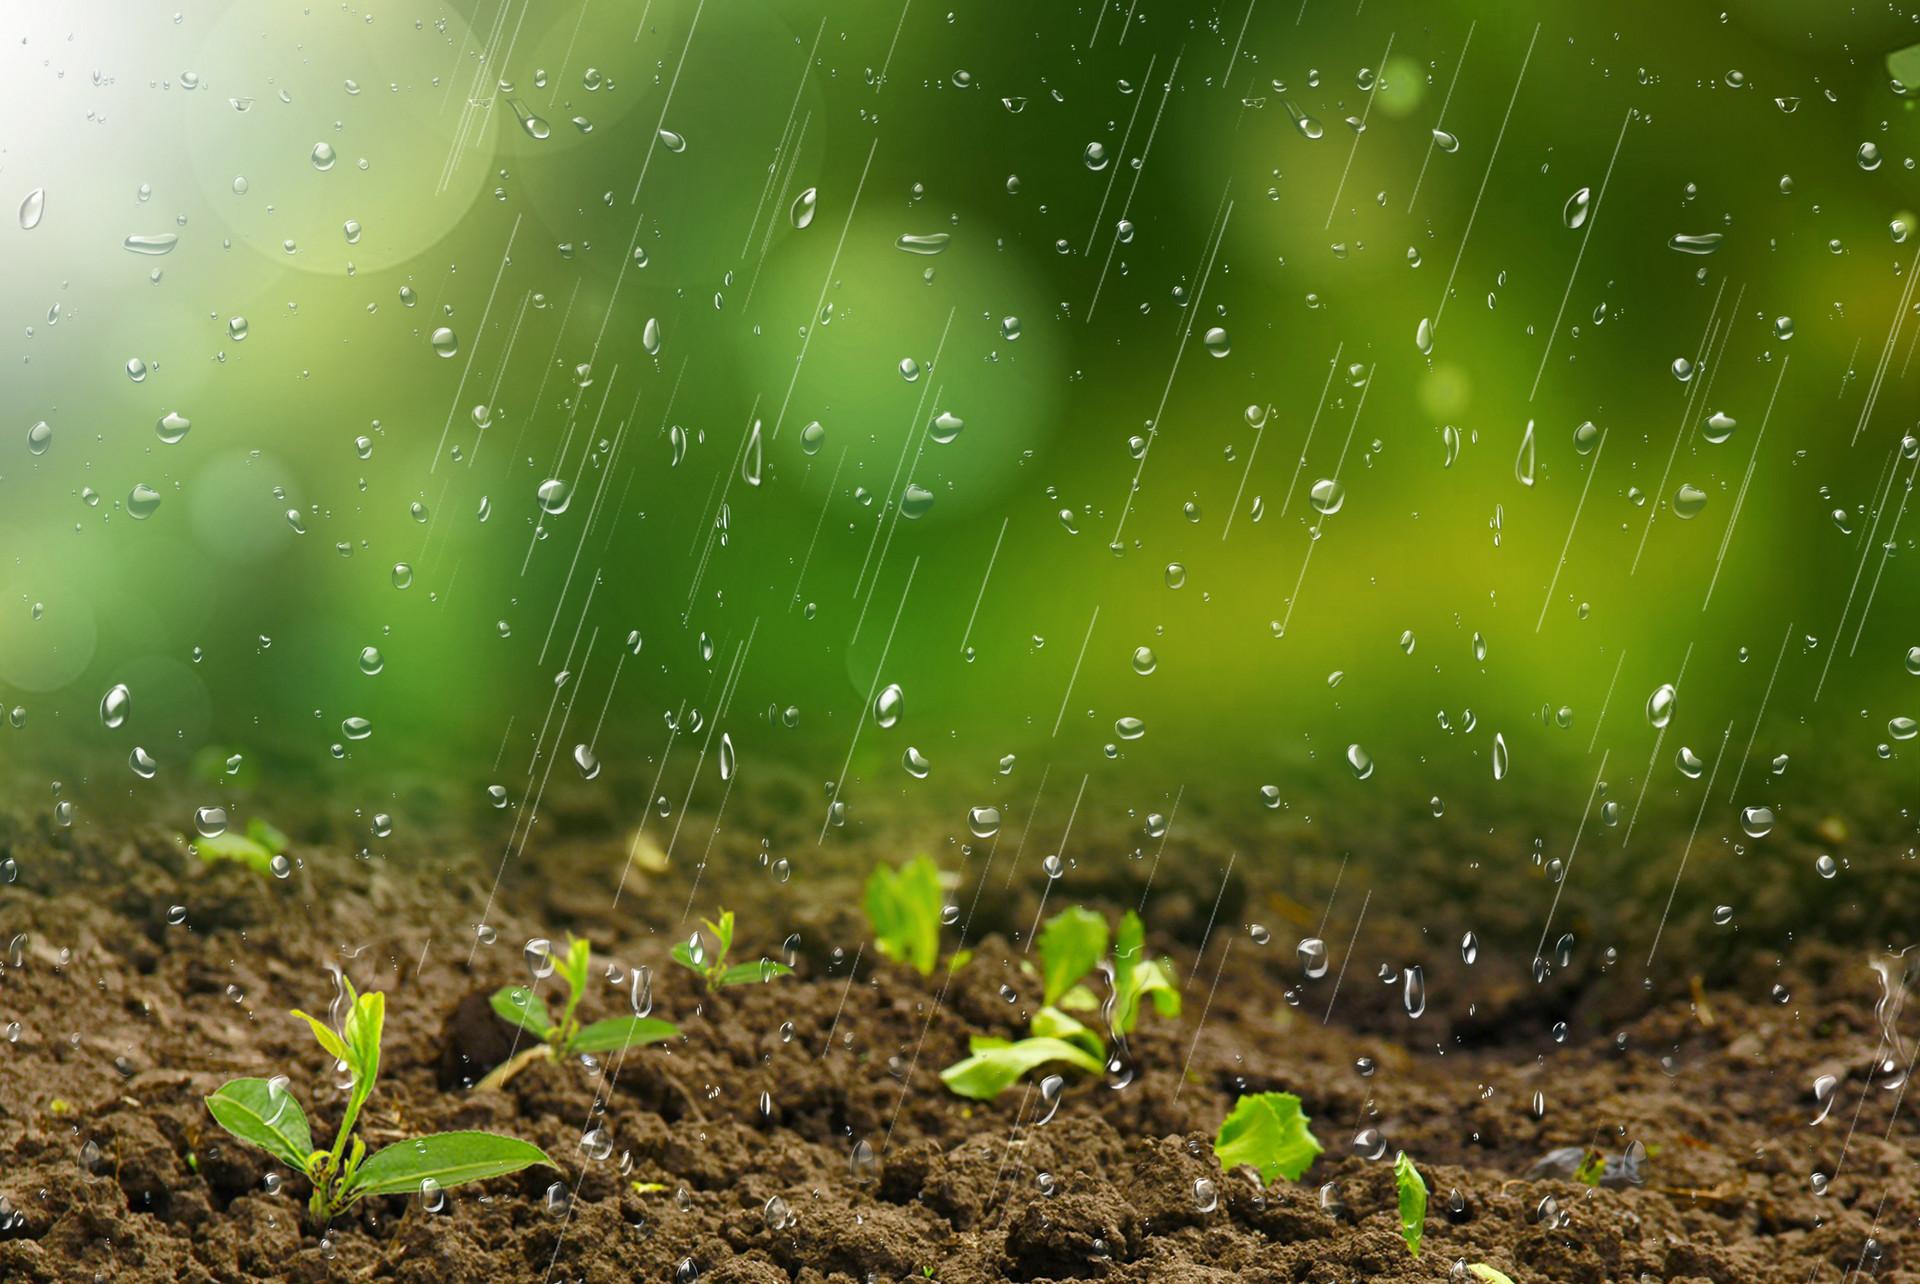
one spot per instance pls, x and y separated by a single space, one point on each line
739 1151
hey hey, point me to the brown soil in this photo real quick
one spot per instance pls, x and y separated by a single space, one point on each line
113 1170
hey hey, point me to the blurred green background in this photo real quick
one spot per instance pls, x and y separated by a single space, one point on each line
604 207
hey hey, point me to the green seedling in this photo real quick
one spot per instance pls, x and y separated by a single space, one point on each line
256 849
1072 944
1267 1131
713 967
1413 1201
521 1007
1593 1166
263 1113
903 905
1488 1275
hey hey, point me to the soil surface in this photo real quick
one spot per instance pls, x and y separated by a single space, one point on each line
797 1130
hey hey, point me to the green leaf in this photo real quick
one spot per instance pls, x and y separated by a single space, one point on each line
264 833
1052 1023
622 1032
683 955
326 1035
1904 66
1481 1271
1268 1131
1593 1166
573 968
262 1115
1129 950
448 1157
366 1019
996 1064
1080 999
1413 1201
722 932
1070 946
1147 979
903 906
235 847
753 973
517 1005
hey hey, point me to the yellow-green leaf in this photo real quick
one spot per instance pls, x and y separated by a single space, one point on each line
449 1158
1268 1131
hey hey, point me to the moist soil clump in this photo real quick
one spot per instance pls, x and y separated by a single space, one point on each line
797 1130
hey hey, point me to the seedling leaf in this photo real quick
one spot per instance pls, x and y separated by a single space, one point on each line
235 847
752 973
683 955
260 1114
268 836
903 906
1071 944
1413 1201
361 1034
722 931
448 1157
1268 1131
622 1032
1481 1271
329 1039
1904 66
1052 1023
573 968
518 1005
1135 977
996 1064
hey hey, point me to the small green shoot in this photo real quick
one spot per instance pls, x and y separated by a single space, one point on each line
1413 1201
263 1113
903 905
237 848
256 849
996 1065
1267 1131
1593 1166
714 968
1488 1275
1135 977
1072 944
519 1006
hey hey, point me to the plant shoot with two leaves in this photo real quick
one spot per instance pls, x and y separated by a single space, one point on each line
1072 945
521 1007
713 966
263 1113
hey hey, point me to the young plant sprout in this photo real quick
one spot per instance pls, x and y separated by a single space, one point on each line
714 968
1072 945
1267 1131
904 907
558 1040
263 1113
1413 1201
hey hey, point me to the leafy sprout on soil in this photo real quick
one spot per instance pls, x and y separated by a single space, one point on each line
1072 944
257 849
263 1113
693 955
1488 1275
1268 1131
1413 1201
904 907
1593 1166
521 1007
